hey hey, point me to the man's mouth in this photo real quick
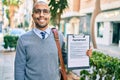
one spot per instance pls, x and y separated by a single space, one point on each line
40 20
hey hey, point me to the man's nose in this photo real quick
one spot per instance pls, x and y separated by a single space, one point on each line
41 13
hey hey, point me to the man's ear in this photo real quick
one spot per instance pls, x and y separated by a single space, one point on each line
32 15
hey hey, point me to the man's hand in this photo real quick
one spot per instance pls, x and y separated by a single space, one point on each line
89 52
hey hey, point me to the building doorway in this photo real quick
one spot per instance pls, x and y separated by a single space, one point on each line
116 33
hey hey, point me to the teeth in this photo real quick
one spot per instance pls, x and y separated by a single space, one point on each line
41 20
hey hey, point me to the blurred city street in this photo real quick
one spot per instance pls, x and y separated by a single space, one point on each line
98 18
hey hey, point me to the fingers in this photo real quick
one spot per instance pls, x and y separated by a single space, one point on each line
89 52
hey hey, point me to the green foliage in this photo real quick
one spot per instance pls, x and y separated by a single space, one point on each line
10 41
20 25
57 7
26 23
11 2
7 13
103 65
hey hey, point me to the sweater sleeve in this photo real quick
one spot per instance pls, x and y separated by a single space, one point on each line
20 61
64 52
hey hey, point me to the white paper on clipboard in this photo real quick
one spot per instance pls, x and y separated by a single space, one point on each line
77 47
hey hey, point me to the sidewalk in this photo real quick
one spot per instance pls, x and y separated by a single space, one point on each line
112 50
7 65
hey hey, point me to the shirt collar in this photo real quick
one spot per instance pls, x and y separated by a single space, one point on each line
48 30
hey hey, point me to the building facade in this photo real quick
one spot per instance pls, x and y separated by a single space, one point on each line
1 16
1 21
107 23
71 18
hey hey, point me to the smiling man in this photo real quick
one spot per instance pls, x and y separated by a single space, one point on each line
36 53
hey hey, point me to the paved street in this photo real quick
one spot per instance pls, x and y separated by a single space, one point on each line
6 65
111 50
7 60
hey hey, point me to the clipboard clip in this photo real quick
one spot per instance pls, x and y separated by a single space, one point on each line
80 35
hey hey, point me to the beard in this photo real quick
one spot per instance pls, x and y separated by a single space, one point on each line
40 25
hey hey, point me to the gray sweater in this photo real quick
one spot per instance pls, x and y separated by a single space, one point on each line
36 58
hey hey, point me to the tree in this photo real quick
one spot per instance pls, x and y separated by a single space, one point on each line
57 7
12 5
34 1
96 11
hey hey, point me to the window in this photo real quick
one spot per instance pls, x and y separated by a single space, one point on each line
100 29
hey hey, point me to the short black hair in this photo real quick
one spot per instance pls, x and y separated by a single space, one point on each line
38 3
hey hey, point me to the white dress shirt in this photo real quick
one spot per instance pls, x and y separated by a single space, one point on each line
38 31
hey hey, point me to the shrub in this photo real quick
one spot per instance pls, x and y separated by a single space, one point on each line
103 67
10 41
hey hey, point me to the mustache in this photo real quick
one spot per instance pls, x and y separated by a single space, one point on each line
39 18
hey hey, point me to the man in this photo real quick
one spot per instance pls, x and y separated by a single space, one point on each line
36 52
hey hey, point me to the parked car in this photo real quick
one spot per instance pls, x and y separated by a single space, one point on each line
17 31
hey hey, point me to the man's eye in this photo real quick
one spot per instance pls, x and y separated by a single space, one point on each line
45 11
36 11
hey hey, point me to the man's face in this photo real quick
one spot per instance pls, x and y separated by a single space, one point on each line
41 15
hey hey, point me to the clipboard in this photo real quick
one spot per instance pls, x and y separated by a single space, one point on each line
77 45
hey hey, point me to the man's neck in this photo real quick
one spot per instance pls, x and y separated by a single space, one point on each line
42 29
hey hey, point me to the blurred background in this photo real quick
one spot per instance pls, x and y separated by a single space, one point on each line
98 18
